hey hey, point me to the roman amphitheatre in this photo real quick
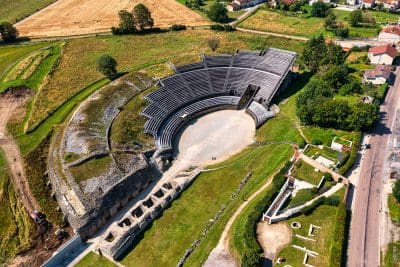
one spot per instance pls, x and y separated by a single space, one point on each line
191 153
74 17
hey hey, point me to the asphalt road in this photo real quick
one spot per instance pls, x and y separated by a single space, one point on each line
364 246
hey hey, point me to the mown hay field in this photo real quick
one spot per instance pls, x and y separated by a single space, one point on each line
15 10
76 17
77 67
274 21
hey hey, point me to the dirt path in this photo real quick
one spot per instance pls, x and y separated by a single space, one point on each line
274 34
272 238
220 255
9 103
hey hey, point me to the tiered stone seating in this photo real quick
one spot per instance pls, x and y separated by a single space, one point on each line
205 84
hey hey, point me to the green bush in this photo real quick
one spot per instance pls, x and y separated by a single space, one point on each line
316 142
333 201
251 254
178 27
339 244
353 154
328 176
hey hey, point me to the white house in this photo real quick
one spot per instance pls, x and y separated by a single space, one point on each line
389 4
383 54
240 4
390 34
379 75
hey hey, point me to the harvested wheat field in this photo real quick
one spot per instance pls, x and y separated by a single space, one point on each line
77 17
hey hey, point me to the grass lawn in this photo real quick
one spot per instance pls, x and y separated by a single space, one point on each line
300 25
325 135
95 260
392 256
15 10
323 216
394 209
301 197
31 71
306 172
77 67
10 55
184 221
16 227
90 169
326 152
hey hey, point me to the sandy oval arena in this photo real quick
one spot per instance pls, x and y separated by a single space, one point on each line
219 134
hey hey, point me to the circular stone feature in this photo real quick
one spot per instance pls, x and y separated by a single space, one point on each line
214 137
295 225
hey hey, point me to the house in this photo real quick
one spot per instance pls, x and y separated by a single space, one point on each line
389 4
379 75
240 4
390 34
383 54
368 3
352 2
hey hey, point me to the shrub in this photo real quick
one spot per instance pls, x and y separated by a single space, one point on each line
178 27
309 209
218 12
339 243
251 254
302 143
396 191
224 27
107 65
328 176
332 201
316 142
8 32
353 155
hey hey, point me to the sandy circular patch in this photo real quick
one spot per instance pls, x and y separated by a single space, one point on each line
219 134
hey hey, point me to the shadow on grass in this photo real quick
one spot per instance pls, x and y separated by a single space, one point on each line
297 84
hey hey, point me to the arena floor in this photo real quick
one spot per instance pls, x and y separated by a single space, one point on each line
220 134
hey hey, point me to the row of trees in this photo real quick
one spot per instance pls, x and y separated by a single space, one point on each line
8 32
316 104
137 20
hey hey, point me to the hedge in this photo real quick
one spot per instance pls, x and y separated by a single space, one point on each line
353 155
339 243
251 252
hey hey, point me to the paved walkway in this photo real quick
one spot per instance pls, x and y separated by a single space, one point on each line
322 168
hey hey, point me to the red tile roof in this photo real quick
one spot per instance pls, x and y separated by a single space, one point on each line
368 1
380 70
392 30
383 49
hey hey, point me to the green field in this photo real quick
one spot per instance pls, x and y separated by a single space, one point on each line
392 256
305 172
15 10
94 260
394 209
16 227
300 25
323 216
77 67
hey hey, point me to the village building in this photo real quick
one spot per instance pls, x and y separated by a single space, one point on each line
368 3
389 4
241 4
390 34
384 54
379 75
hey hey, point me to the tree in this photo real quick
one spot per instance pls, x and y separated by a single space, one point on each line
218 13
355 17
107 65
8 32
330 21
142 17
314 52
396 191
335 76
126 23
213 43
350 88
319 9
